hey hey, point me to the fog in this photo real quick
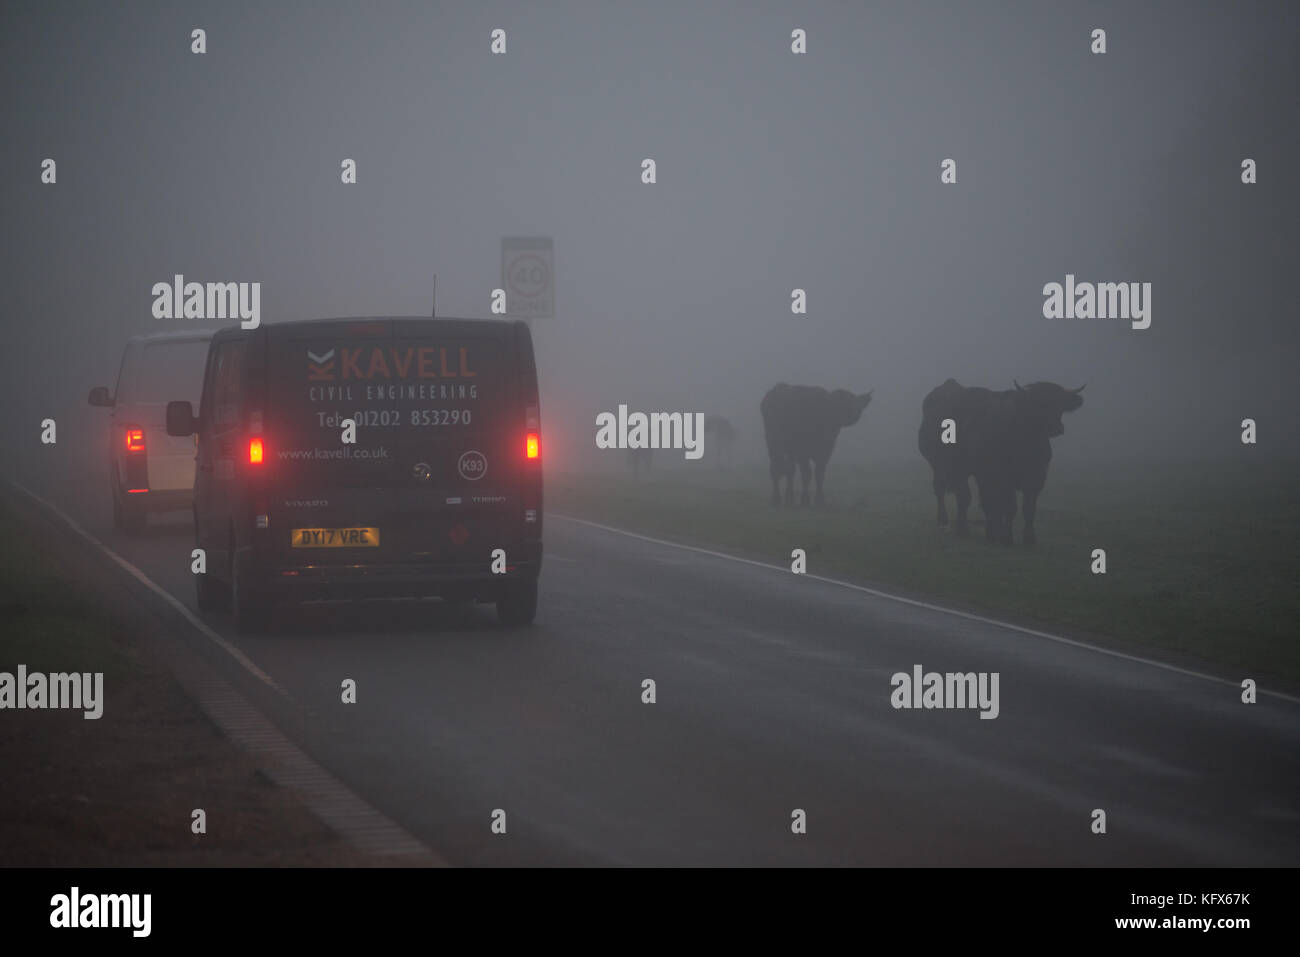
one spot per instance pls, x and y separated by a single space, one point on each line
776 171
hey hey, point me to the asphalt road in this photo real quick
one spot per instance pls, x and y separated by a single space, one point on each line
773 694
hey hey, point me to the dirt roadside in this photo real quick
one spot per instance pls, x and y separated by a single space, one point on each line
121 790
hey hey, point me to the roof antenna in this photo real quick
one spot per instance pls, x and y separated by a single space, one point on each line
434 313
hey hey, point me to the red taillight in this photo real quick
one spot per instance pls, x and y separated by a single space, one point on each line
135 440
255 451
533 424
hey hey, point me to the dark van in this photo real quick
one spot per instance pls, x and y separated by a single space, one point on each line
353 458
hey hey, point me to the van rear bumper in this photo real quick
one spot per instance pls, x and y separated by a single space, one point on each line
159 500
404 580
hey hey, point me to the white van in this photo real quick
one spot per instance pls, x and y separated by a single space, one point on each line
150 471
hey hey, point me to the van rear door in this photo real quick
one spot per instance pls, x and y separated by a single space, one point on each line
166 370
434 474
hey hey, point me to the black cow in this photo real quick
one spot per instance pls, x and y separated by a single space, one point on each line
949 463
1012 450
724 437
1003 439
801 424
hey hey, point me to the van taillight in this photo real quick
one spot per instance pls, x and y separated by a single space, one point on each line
255 451
135 440
533 425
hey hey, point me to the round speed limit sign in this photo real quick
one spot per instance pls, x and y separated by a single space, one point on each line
529 276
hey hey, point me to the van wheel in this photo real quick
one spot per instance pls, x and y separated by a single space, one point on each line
209 593
249 609
127 518
518 603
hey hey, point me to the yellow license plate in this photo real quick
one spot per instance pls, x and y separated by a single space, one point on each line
335 538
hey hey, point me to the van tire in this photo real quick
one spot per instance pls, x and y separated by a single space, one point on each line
249 609
127 518
518 603
208 593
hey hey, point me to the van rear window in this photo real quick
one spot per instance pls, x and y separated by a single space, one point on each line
170 370
389 387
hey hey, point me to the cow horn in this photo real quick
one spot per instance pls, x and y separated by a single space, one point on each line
1019 388
1080 389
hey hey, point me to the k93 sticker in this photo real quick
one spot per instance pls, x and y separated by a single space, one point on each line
472 466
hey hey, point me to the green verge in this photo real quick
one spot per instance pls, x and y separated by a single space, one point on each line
1201 560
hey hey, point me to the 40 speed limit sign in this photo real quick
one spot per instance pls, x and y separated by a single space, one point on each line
528 277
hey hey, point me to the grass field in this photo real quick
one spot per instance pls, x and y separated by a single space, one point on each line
1202 561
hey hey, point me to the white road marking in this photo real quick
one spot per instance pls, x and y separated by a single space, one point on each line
931 607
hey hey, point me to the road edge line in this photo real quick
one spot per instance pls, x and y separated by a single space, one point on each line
970 616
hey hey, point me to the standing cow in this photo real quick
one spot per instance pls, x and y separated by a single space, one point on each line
948 411
801 424
723 437
1012 451
1003 439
